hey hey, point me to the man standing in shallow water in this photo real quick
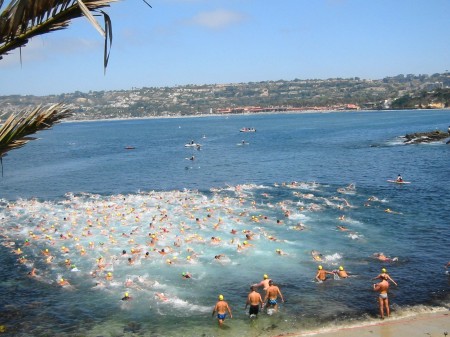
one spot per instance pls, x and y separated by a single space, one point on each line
382 289
264 283
272 295
221 308
255 301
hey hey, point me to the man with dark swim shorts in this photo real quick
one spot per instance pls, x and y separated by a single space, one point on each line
221 308
255 301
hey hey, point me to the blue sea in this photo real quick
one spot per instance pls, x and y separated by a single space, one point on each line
77 205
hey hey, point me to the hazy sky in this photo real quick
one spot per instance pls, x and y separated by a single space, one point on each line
180 42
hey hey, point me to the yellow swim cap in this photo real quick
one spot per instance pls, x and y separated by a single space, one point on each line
245 242
319 267
341 268
383 270
220 297
278 250
126 294
266 276
109 274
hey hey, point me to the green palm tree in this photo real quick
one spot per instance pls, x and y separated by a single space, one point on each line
22 20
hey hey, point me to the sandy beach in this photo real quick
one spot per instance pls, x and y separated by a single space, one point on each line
427 324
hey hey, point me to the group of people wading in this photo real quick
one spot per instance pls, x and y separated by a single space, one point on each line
254 300
272 292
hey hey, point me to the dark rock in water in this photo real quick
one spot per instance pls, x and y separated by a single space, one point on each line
132 327
426 137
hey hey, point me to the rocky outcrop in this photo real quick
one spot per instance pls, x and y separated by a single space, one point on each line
426 137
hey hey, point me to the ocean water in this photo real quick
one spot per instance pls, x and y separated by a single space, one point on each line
78 193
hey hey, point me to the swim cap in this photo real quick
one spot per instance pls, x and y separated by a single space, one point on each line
383 270
245 242
341 268
278 250
126 294
109 274
220 297
183 273
266 276
319 267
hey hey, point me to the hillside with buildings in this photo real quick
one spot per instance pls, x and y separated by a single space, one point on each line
399 92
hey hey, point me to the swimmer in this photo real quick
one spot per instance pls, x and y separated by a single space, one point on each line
264 283
384 258
299 227
162 297
245 244
18 251
384 275
22 260
32 273
342 273
342 228
321 275
128 282
221 308
126 297
272 295
62 282
388 210
280 252
186 275
255 301
383 301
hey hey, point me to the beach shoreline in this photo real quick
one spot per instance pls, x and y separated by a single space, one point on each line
433 324
296 112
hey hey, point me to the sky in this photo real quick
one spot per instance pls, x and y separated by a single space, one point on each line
182 42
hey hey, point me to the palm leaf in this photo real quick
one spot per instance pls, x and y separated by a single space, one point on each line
24 19
15 131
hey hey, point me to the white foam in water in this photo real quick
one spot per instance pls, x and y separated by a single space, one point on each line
165 234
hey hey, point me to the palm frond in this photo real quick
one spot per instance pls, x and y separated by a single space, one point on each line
24 19
15 131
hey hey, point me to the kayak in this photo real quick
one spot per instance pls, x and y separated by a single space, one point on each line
398 182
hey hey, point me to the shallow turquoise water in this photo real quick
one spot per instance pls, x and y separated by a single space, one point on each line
79 179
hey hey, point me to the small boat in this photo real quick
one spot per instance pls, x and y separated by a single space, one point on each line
247 130
129 147
192 145
398 182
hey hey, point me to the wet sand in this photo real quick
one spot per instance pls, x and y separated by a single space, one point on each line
431 325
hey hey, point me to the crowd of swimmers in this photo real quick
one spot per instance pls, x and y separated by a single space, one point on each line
100 218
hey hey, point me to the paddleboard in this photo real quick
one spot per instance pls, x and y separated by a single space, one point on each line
398 182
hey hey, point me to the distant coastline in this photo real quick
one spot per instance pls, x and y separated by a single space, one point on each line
235 114
296 96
